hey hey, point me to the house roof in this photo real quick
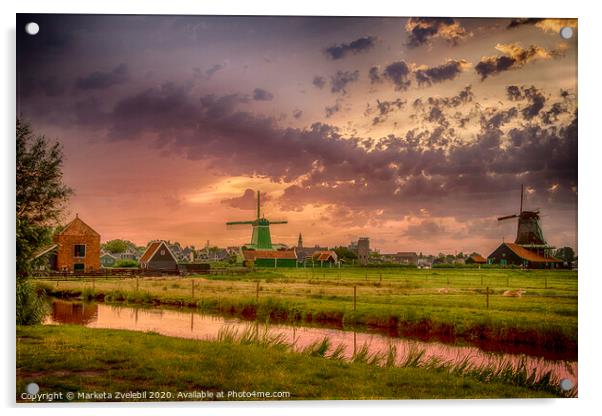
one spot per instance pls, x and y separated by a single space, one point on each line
78 227
477 258
152 249
44 250
324 255
529 255
269 254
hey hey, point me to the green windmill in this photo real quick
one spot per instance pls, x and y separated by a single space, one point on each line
261 239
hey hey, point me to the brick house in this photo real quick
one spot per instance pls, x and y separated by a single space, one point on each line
77 248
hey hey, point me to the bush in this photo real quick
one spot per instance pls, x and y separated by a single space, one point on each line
31 305
126 263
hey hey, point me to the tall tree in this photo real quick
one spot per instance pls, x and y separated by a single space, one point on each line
41 193
565 253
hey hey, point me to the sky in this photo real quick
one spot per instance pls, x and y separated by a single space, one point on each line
414 132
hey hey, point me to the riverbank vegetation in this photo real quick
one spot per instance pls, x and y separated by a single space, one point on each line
446 305
77 359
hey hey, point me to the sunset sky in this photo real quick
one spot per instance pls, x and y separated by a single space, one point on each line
415 132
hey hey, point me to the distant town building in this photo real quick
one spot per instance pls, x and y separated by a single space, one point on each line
363 250
476 259
326 257
307 253
107 260
401 257
159 257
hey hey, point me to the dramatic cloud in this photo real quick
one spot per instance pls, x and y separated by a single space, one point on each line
319 82
397 73
374 75
329 111
359 45
535 98
386 107
211 71
333 169
340 80
444 72
248 200
423 29
102 80
547 25
259 94
514 57
424 230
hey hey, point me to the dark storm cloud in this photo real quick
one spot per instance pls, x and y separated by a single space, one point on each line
514 23
444 72
319 81
421 30
359 45
374 75
102 80
340 80
246 201
392 173
49 87
397 73
259 94
217 67
514 57
535 98
329 111
425 230
386 107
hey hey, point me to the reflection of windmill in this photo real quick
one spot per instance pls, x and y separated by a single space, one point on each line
261 239
529 233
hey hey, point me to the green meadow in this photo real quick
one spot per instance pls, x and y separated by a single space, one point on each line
92 362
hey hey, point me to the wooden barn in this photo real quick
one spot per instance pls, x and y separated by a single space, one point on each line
270 258
158 257
76 248
511 254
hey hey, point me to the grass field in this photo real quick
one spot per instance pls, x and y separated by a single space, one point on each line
445 304
93 361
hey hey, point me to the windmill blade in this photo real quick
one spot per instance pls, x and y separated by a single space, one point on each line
507 217
279 222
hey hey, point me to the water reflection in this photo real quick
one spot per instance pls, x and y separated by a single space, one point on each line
186 324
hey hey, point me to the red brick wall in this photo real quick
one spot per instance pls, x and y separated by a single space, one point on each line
65 258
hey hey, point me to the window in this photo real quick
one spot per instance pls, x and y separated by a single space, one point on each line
162 252
79 250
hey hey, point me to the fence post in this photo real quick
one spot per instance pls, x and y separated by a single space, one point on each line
192 289
487 292
380 277
354 298
137 283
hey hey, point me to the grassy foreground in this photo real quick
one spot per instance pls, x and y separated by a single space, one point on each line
444 304
96 361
